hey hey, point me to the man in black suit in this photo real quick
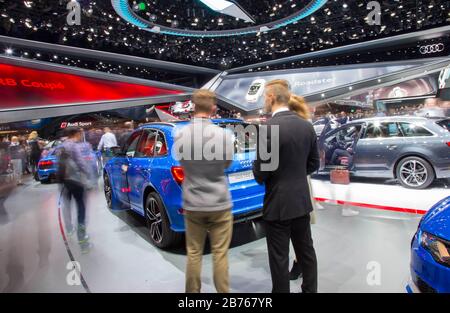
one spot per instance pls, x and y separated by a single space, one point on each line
287 202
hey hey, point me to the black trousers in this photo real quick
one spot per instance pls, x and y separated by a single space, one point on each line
278 235
77 192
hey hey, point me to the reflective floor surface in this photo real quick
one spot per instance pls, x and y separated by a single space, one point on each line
364 253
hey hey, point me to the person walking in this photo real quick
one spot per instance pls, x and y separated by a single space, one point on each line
287 201
26 156
17 153
206 196
74 173
35 152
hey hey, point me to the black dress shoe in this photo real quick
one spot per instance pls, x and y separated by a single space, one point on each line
296 271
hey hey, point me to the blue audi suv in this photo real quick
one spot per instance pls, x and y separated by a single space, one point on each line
144 176
430 251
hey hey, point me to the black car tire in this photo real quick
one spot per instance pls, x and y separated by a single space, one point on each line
107 189
158 223
422 166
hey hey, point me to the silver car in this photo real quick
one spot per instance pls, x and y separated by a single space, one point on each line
414 150
320 124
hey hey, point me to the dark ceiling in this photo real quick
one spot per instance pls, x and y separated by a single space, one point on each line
338 23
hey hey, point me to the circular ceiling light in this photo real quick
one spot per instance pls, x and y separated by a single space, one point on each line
124 9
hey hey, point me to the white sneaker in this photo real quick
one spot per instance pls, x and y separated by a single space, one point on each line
349 212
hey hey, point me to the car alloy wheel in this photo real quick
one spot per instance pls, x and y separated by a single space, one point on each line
154 219
413 173
108 191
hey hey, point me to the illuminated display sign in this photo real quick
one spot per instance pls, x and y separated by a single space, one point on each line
11 82
246 91
22 87
75 124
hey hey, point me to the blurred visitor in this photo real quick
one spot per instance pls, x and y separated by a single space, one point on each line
74 174
25 156
129 129
343 119
206 198
107 142
17 153
35 152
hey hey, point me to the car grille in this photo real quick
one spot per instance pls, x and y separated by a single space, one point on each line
423 286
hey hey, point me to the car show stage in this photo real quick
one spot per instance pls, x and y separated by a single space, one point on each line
379 194
39 256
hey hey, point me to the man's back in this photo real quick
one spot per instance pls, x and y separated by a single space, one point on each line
205 187
287 191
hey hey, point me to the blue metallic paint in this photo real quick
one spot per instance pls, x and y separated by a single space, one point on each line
436 222
150 174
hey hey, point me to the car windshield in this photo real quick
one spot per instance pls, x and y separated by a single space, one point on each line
245 136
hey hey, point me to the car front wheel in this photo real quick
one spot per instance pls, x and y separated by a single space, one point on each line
158 223
415 173
108 191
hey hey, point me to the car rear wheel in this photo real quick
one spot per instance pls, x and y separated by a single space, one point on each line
415 173
158 223
108 190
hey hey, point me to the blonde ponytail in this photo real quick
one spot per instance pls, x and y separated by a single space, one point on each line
298 105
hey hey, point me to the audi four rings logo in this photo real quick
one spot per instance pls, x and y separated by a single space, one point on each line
432 48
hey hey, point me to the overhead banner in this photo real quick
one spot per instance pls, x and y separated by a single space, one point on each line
22 87
247 90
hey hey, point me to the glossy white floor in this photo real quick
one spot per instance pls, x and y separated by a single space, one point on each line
34 258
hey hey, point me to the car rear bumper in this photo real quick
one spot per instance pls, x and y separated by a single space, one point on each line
46 174
244 209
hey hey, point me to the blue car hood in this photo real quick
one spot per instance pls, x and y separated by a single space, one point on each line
437 220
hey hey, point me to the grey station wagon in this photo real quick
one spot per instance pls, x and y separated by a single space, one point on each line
414 150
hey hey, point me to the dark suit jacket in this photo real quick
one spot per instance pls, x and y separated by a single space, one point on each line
287 192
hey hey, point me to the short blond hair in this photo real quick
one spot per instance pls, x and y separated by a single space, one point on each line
204 100
280 89
282 82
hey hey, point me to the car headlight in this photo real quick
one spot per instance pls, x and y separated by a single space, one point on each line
438 248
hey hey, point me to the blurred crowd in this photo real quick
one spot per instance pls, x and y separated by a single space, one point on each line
19 155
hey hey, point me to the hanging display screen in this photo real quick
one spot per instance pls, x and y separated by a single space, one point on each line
22 87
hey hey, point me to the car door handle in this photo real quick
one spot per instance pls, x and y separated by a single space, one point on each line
392 147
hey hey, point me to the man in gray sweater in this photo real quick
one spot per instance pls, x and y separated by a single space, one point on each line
205 151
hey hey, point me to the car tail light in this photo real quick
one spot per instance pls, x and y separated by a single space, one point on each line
448 143
178 174
45 164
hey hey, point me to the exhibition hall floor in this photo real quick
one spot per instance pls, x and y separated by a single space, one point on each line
35 258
